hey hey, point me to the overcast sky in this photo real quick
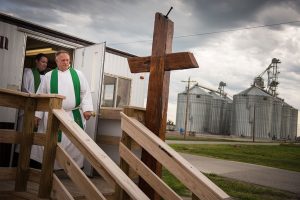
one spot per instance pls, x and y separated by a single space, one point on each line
234 57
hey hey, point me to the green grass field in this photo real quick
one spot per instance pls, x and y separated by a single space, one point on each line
284 156
235 189
193 138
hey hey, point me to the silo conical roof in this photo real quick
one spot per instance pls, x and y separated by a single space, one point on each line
253 90
196 90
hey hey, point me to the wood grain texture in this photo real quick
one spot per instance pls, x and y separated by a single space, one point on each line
34 175
110 113
158 92
14 137
59 191
190 176
96 156
25 145
10 136
16 99
8 173
173 61
152 179
49 150
76 175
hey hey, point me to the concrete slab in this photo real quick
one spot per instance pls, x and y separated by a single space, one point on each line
257 174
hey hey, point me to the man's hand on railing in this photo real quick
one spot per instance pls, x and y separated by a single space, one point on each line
36 122
87 115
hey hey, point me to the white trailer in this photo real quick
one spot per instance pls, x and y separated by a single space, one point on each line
106 69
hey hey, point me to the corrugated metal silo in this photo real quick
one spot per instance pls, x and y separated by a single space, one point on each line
217 112
226 121
294 120
285 121
276 118
198 110
263 117
252 105
180 113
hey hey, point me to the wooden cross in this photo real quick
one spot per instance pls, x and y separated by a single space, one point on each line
159 65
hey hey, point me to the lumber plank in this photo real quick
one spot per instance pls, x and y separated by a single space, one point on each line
12 195
190 176
10 136
158 92
8 173
34 175
16 99
107 139
173 61
13 92
110 113
14 137
152 179
43 100
59 191
12 100
39 139
49 150
77 175
96 156
127 141
136 112
25 145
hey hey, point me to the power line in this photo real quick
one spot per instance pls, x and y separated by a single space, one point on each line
237 29
213 32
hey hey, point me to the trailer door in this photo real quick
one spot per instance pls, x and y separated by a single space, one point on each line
90 61
12 53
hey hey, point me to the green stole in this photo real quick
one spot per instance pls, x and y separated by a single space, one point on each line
76 84
37 78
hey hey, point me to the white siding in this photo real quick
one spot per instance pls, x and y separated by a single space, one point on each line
11 65
117 65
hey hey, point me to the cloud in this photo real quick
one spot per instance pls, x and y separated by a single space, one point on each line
233 57
237 58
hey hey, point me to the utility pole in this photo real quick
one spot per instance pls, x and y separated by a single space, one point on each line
187 104
253 124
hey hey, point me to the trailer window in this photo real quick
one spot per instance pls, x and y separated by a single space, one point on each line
116 91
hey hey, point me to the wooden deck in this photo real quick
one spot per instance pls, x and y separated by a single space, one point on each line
7 189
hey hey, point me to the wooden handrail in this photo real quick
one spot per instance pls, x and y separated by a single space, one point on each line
57 117
96 156
16 99
191 177
77 175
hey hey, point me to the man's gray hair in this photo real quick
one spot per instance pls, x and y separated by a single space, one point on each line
60 52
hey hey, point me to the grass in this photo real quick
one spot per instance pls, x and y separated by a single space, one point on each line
284 156
175 184
236 189
193 138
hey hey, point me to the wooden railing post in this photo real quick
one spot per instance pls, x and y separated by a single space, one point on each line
49 149
127 141
191 177
25 145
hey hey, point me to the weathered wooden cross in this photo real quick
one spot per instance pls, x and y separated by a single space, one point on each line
159 65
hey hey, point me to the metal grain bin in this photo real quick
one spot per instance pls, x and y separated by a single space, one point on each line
198 110
217 113
285 121
252 110
276 118
180 113
294 120
226 121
